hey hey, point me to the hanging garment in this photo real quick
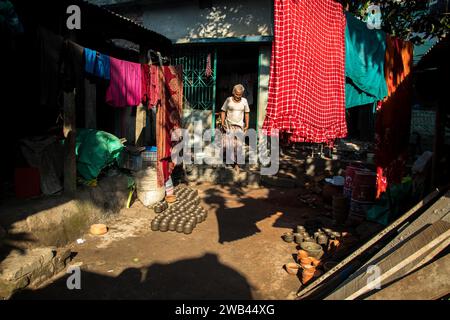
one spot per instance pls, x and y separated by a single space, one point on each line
125 87
97 64
168 117
50 47
155 90
146 84
150 86
365 51
398 62
392 127
307 73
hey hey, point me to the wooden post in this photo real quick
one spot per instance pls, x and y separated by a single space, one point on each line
141 112
90 104
70 163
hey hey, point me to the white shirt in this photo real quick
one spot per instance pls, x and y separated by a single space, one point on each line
235 111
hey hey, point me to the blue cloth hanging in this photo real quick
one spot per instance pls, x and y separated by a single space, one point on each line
97 64
365 51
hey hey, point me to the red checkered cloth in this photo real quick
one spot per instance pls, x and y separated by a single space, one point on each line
307 73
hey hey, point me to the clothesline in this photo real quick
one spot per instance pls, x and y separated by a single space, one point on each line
130 83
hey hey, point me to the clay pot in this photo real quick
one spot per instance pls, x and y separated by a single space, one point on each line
315 262
300 229
322 239
302 254
316 235
173 224
306 261
304 234
298 238
163 226
179 228
155 225
187 229
292 268
337 234
314 250
308 274
288 237
171 199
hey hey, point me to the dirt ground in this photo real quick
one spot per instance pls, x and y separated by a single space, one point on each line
237 253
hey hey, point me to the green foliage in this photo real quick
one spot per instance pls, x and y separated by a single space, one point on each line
410 20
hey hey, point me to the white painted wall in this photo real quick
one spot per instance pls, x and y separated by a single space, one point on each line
183 22
265 53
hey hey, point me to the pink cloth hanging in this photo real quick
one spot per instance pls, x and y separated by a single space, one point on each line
125 87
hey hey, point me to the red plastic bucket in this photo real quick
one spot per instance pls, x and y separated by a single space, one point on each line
350 173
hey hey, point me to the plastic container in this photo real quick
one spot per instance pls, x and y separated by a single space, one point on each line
147 188
150 154
131 162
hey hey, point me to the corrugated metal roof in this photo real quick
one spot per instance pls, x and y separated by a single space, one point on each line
128 20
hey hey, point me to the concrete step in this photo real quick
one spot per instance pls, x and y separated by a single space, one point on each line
30 268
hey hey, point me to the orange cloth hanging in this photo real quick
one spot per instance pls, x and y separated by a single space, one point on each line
167 112
392 125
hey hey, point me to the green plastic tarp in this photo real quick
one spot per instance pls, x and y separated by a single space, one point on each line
96 150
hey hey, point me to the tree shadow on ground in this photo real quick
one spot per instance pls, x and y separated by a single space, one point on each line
201 278
239 214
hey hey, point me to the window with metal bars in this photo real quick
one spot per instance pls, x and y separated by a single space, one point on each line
199 76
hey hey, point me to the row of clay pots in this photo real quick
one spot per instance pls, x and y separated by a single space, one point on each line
160 207
182 222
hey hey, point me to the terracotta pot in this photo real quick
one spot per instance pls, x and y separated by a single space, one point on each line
307 275
171 198
306 261
302 254
179 228
292 268
315 262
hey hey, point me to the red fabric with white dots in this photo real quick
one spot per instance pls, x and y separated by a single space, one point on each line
307 73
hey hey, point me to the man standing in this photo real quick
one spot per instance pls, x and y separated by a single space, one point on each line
234 111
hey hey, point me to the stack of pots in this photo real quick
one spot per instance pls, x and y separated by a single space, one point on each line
340 208
183 215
